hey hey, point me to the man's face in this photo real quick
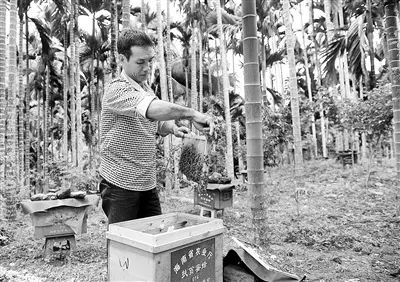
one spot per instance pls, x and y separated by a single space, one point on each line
139 64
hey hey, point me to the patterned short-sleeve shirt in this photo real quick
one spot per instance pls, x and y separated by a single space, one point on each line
127 137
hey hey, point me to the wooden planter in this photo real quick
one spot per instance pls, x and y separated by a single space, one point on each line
216 196
144 249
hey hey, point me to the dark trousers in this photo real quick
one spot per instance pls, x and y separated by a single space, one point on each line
121 204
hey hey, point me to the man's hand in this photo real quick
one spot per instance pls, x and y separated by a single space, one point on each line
180 131
203 121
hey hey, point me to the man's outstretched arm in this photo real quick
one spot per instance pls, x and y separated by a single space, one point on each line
162 110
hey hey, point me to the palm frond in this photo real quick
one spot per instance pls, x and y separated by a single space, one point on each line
275 57
44 33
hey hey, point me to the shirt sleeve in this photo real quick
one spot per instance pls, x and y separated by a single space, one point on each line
123 99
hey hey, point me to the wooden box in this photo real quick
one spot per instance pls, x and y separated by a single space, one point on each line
57 218
169 247
60 221
216 196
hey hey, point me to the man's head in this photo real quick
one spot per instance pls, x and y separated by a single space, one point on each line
136 51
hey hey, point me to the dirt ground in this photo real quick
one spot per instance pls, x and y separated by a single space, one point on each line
326 225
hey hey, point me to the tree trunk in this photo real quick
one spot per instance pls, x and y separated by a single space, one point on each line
392 40
113 36
38 138
200 96
3 107
164 93
27 127
210 87
46 99
93 94
225 88
79 133
169 55
237 126
21 118
309 89
344 58
370 36
319 78
255 156
126 13
193 64
65 95
142 15
72 79
10 157
174 141
294 101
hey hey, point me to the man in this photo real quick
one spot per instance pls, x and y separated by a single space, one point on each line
130 118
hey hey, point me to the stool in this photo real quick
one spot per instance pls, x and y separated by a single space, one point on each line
213 212
50 241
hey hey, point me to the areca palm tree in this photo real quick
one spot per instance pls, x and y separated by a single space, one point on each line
72 79
225 85
255 168
2 99
298 153
164 88
10 156
126 13
113 37
79 135
393 41
319 80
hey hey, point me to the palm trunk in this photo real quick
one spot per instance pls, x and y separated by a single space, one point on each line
27 145
200 96
79 134
169 55
266 76
126 13
370 30
255 156
319 79
73 75
10 157
113 30
142 15
290 41
21 118
174 140
309 89
193 65
277 66
237 126
187 94
38 140
225 86
65 96
46 99
392 40
210 87
164 93
100 97
91 91
2 100
344 58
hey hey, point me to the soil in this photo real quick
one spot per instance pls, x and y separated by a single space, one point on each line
325 224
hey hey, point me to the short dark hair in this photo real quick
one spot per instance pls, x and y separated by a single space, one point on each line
132 37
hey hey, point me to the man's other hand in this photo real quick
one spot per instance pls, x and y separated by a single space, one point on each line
180 131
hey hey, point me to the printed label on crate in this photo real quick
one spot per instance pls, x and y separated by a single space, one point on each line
205 199
195 263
